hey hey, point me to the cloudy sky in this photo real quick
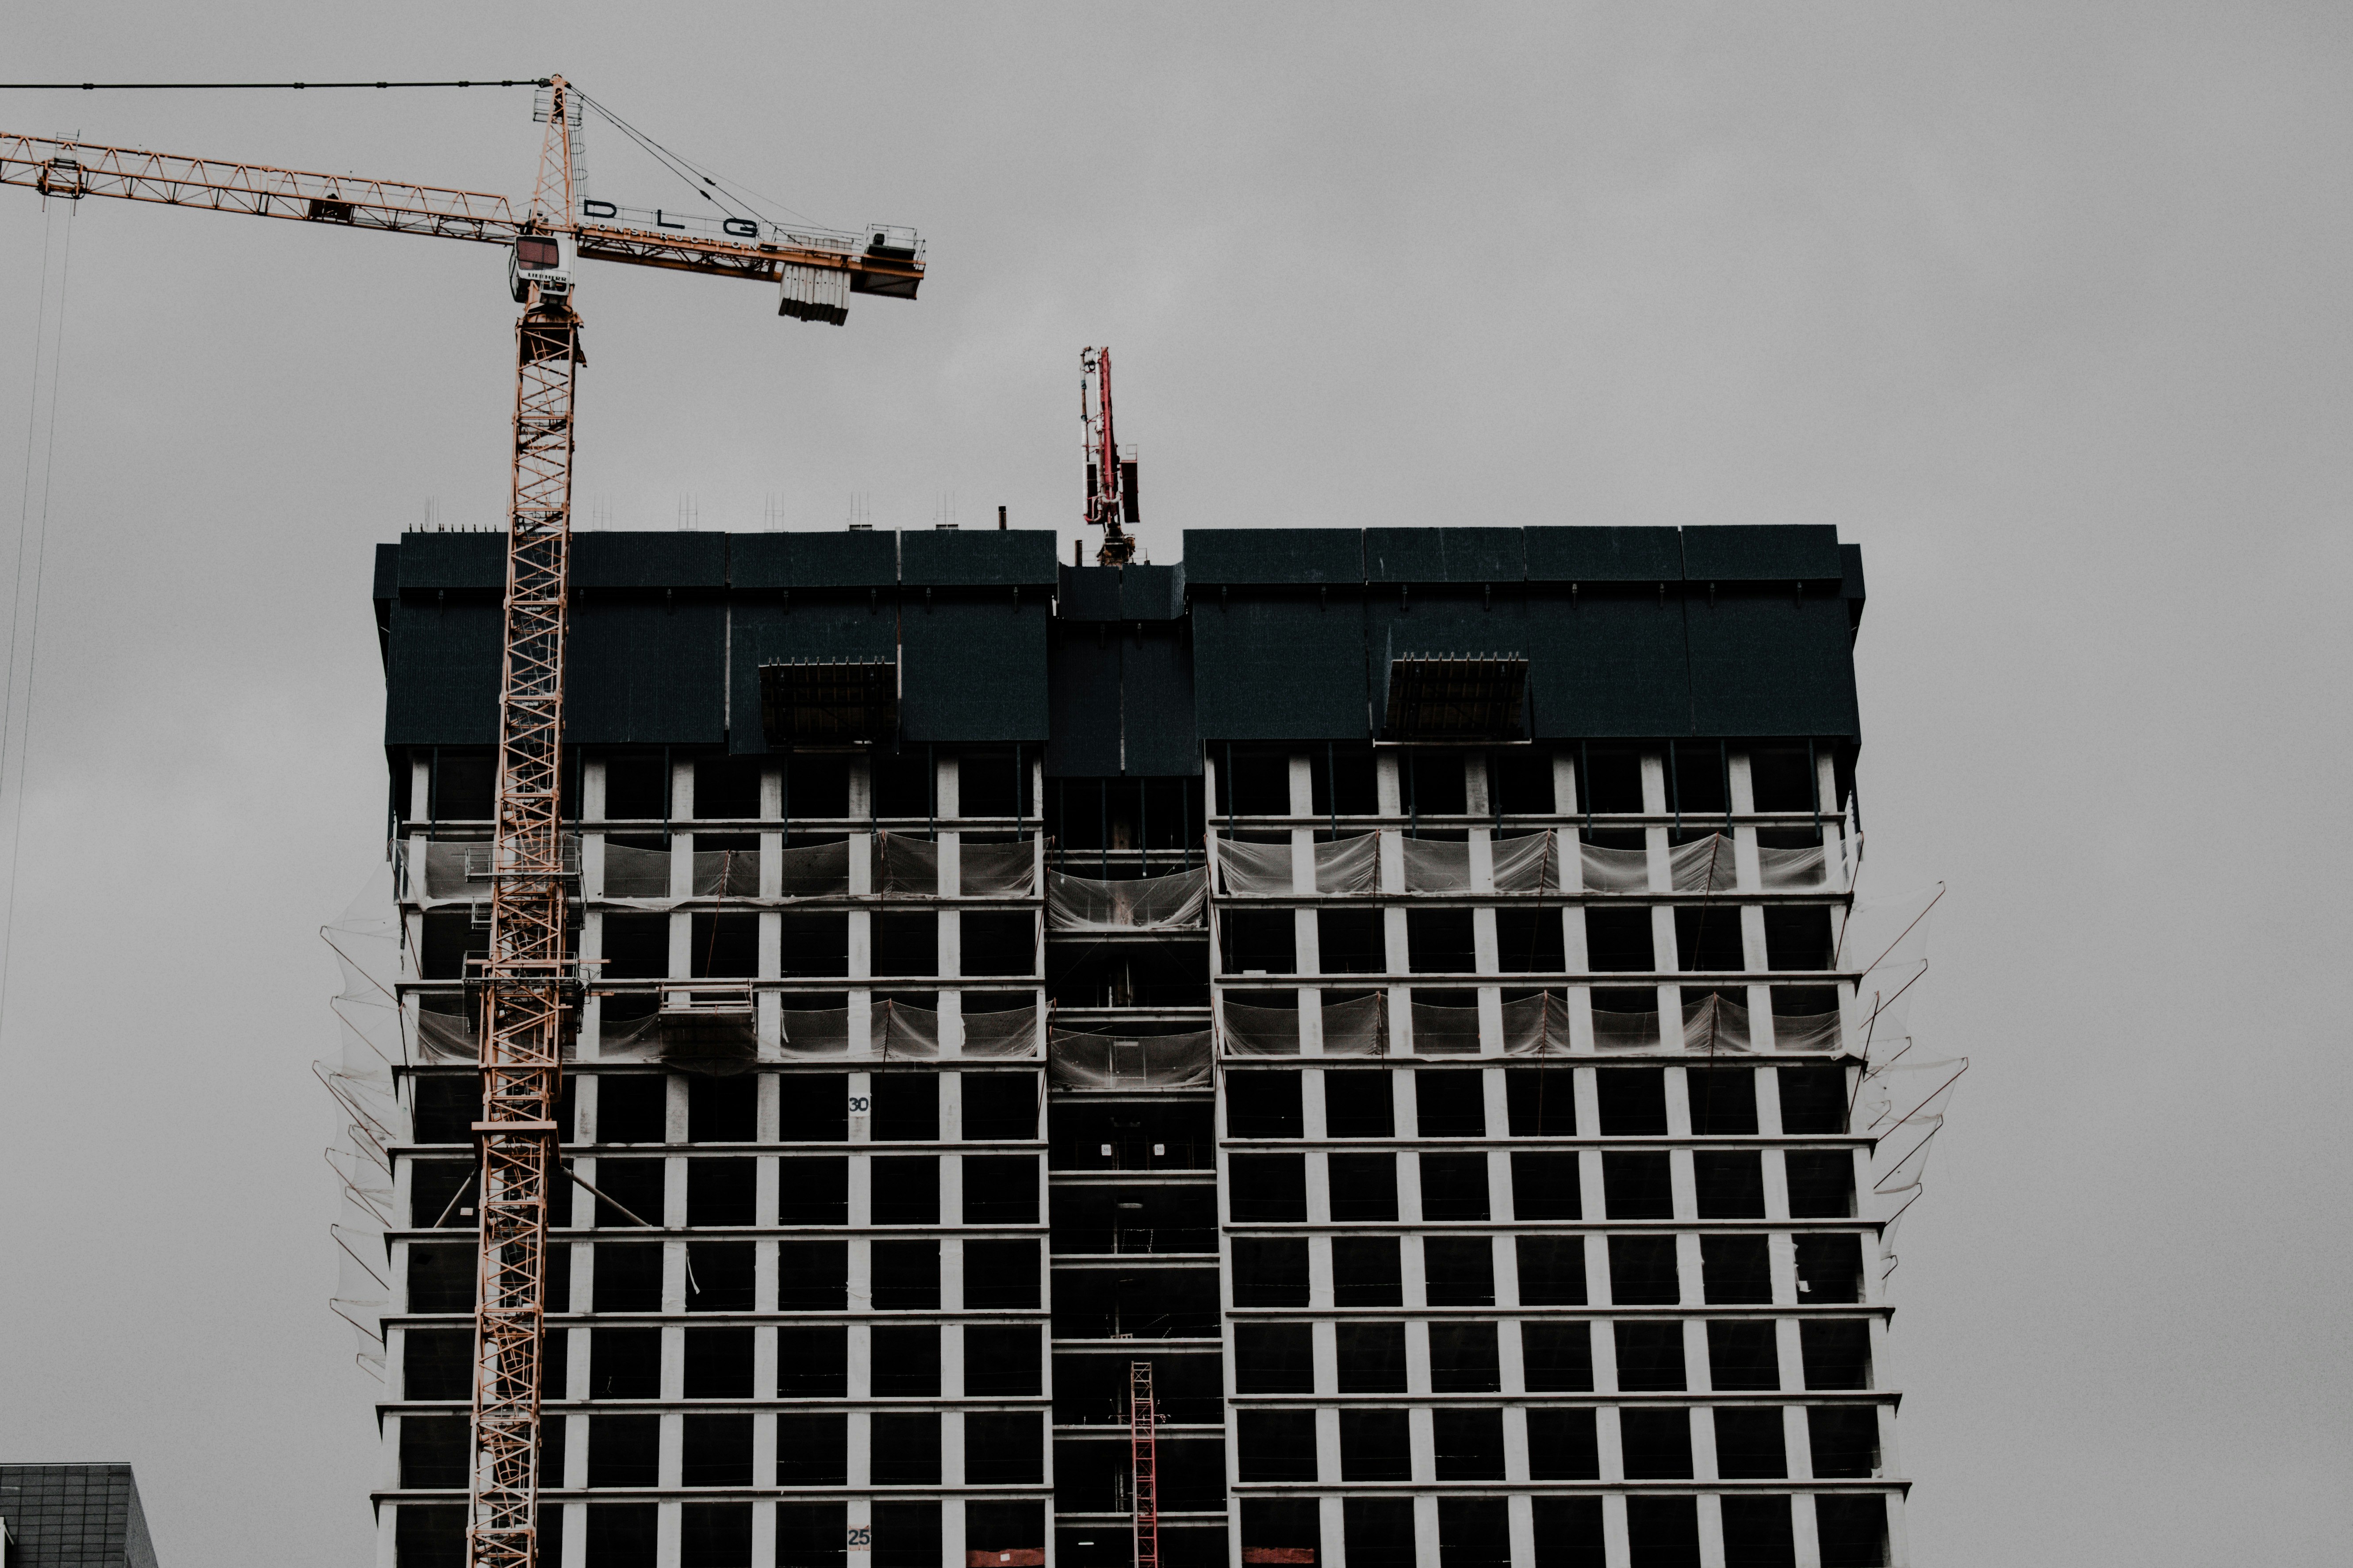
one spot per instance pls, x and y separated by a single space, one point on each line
2044 305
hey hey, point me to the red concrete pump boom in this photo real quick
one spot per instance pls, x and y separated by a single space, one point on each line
528 983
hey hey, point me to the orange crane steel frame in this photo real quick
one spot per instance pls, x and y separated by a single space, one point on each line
528 982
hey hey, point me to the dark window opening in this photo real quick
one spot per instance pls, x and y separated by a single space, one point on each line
634 947
1439 942
444 1106
1258 942
1558 1357
1542 1102
1000 1189
441 1279
1454 1186
628 1276
1781 778
1729 1184
1000 1276
1365 1272
436 1363
718 1363
726 788
1822 1183
813 1191
1632 1101
1813 1099
1519 782
1450 1104
1265 1189
1379 1531
907 1534
1829 1269
1545 1185
1850 1530
1469 1446
1638 1186
1798 936
1000 1107
995 942
812 1362
1275 1444
636 788
463 785
1371 1358
1619 941
1563 1446
715 1451
1358 1104
1552 1270
1707 937
1364 1187
718 1276
1662 1531
1351 941
1435 784
1743 1355
1464 1358
1375 1446
812 1451
1262 1104
722 1191
906 1276
1529 942
1734 1270
1267 1272
724 946
1642 1271
436 1452
1650 1357
906 1189
635 1186
905 1451
440 1193
813 1108
723 1110
1749 1444
1757 1532
1001 1361
624 1450
1723 1101
1612 779
903 784
1843 1440
1004 1448
1458 1272
1274 1358
811 945
1656 1443
906 1361
1837 1354
812 1276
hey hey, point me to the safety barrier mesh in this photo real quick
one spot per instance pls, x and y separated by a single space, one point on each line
1142 903
1078 1060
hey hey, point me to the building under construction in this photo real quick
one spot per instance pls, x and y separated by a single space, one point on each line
1340 1050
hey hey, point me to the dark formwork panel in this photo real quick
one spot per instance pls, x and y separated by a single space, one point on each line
1608 662
1279 669
645 672
1603 554
973 671
1764 664
1267 555
851 559
648 560
982 558
441 687
1445 555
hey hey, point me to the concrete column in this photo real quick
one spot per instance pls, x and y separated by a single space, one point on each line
1614 1543
1329 1520
1327 1454
1425 1508
1711 1506
1417 1354
1797 1442
673 1295
1520 1510
1806 1538
951 1451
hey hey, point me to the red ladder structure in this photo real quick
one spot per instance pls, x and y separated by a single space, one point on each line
1144 1459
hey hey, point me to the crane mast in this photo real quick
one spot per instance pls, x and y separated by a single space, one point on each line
528 983
526 978
1144 1463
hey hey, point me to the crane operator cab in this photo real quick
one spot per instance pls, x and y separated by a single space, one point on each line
542 259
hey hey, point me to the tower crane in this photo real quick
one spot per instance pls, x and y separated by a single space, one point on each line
527 982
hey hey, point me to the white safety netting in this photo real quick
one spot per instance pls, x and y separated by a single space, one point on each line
727 873
1077 1060
1702 866
1714 1021
1359 1027
1608 871
631 872
1350 864
1806 1031
907 867
365 939
814 870
902 1031
1252 1030
1142 903
1616 1031
1441 1029
1521 863
1793 870
1536 1026
997 870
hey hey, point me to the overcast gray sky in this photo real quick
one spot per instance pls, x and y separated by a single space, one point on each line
2045 306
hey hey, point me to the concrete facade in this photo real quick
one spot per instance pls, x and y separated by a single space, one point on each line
1469 1158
